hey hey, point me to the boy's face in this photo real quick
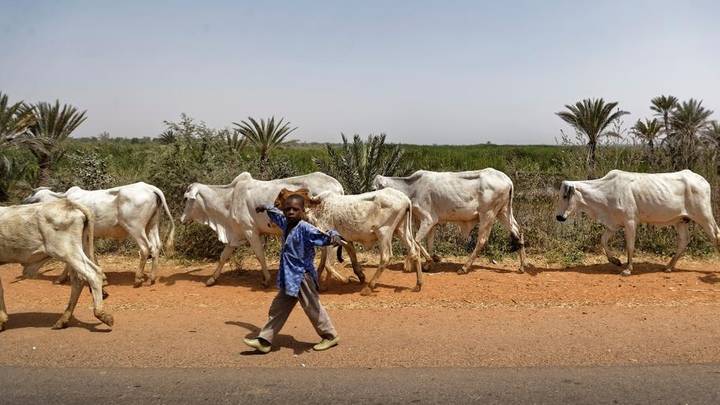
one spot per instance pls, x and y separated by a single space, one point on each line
294 208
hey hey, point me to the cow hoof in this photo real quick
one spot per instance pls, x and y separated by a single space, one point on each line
210 282
62 323
462 270
615 261
668 270
417 288
105 318
625 272
60 280
266 284
138 283
152 280
366 291
427 266
436 258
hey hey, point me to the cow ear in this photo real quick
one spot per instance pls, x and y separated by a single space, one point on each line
569 190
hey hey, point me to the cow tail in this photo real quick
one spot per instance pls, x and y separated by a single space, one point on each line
88 236
339 254
515 241
170 239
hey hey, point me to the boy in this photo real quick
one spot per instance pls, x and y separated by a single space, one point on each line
297 278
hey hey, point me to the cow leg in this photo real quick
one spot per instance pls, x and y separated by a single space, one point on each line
412 258
144 244
683 237
226 254
350 249
327 262
3 311
322 275
63 277
256 244
431 244
155 245
604 239
630 246
385 245
90 272
511 224
426 226
486 223
75 289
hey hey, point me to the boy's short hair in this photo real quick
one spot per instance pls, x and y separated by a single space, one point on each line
295 197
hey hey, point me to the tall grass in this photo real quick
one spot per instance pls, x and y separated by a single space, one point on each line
536 171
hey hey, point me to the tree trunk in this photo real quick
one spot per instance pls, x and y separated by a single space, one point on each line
44 170
591 159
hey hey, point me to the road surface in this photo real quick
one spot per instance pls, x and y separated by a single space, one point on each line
680 384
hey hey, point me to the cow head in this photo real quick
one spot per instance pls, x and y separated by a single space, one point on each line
379 182
42 194
194 208
567 201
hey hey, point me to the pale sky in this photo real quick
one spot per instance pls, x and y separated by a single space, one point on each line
426 72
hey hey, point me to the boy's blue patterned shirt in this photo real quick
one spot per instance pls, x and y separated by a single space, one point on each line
298 251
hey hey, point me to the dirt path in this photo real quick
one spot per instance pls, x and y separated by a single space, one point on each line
493 316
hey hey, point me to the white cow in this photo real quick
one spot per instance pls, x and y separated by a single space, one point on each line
464 198
230 211
626 200
367 218
132 210
33 234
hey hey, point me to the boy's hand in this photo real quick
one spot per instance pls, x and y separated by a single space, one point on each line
260 209
337 240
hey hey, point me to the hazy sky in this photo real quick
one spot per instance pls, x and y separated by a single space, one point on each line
423 72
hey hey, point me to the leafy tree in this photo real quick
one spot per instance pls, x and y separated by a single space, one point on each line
191 139
712 138
356 164
265 136
648 132
52 126
688 121
590 118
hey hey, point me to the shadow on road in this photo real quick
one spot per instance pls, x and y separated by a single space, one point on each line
47 320
281 340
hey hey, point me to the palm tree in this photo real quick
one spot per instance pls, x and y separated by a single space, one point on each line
14 122
265 136
688 120
591 117
648 132
356 164
234 140
663 106
53 125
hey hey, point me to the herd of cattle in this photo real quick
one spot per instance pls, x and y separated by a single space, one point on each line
63 225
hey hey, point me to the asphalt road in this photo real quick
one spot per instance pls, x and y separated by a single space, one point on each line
682 384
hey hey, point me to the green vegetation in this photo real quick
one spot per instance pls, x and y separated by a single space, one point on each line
189 151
